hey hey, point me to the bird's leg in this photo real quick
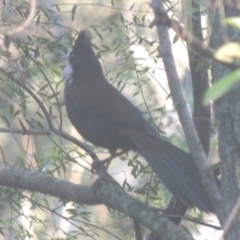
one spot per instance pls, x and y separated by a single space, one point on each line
106 161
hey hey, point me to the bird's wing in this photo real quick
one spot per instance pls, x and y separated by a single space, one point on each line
102 101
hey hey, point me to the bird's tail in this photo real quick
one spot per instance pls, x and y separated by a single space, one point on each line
175 168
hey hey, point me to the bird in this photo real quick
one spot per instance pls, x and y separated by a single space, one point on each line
106 118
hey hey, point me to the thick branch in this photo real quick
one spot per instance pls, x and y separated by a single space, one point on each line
99 168
111 195
162 19
40 182
183 113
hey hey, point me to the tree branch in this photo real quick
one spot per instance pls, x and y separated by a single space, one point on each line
46 184
183 113
111 195
99 167
162 19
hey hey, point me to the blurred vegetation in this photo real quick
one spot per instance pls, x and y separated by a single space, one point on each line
36 56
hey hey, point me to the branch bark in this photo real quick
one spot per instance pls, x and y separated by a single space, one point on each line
111 195
183 113
227 114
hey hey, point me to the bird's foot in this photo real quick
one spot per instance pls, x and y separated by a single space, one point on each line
104 177
102 173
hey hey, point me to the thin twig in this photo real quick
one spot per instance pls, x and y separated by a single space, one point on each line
24 24
230 219
162 19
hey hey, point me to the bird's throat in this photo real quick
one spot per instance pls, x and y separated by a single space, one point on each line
68 74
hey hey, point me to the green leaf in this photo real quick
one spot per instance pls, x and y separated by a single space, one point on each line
121 18
7 41
22 125
38 19
222 86
175 39
45 12
5 120
233 21
58 9
228 53
16 112
43 87
132 6
74 9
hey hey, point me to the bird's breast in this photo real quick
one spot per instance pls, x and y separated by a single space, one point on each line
94 127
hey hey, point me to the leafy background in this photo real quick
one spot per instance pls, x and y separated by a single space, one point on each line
36 56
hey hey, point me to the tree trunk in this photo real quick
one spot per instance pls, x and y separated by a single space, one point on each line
227 114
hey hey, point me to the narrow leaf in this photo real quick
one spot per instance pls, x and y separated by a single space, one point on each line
233 21
228 53
222 86
121 18
74 9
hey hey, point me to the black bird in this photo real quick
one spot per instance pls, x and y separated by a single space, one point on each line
104 117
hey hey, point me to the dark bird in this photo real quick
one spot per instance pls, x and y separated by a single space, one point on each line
104 117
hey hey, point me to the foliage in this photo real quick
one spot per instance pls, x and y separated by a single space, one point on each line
229 53
36 56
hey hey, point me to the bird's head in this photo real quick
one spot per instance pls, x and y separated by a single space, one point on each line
83 63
